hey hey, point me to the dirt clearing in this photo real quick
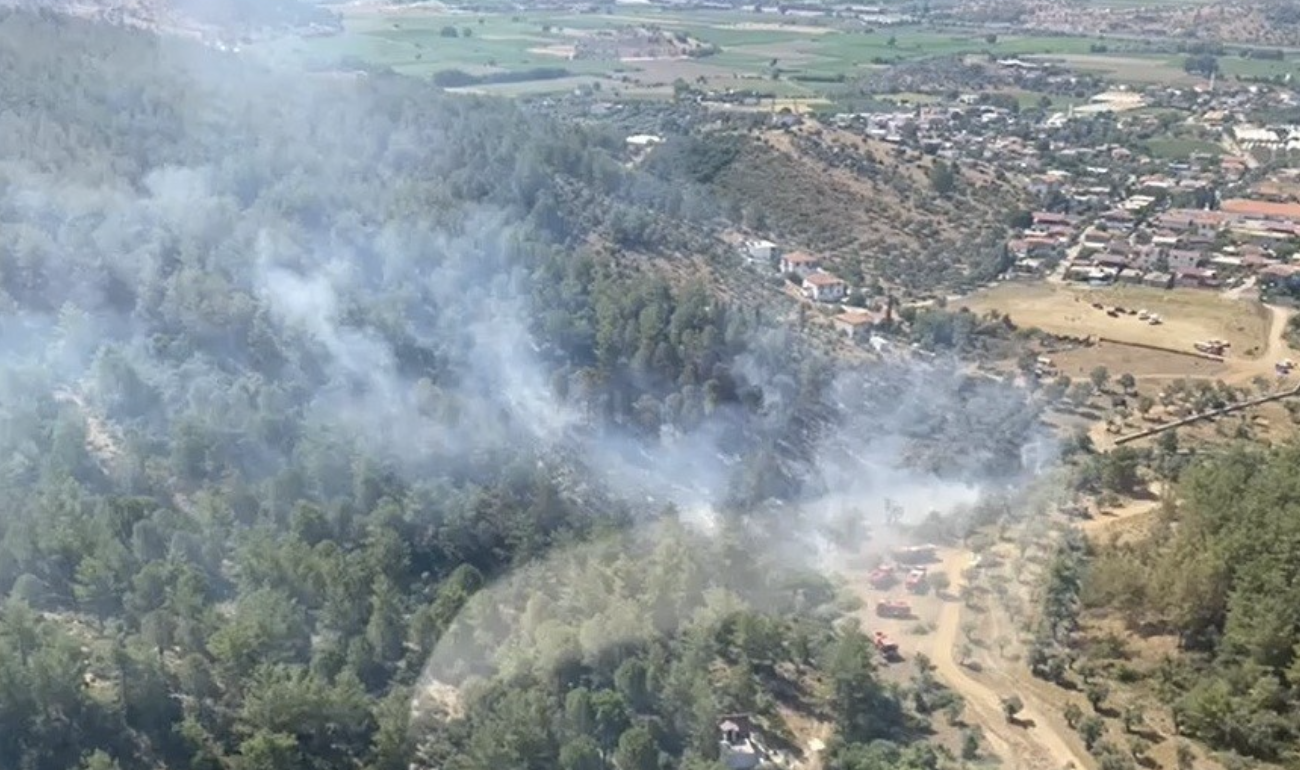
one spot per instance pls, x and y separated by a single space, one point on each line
754 26
1142 363
1037 739
1187 316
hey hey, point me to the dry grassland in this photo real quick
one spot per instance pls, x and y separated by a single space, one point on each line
1188 315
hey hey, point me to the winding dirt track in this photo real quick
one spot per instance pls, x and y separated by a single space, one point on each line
1039 738
1035 741
1275 349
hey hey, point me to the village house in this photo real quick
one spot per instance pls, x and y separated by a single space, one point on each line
1196 242
1191 221
1027 267
1157 280
1164 240
1243 208
1113 261
1256 260
824 287
857 325
1092 274
1275 274
1121 220
1137 203
1045 219
1180 259
1095 239
801 263
1194 277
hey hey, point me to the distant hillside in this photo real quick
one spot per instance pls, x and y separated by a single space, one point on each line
869 208
240 17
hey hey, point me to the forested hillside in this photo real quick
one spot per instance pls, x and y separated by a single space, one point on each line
293 366
1223 573
879 218
226 18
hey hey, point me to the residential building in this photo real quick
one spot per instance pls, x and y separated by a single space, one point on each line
1265 210
801 263
1179 259
857 325
824 287
1194 277
1158 280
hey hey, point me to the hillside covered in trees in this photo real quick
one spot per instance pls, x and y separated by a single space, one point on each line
295 365
1221 573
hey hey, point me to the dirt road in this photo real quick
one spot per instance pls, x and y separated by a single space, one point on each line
1275 349
1039 738
1035 740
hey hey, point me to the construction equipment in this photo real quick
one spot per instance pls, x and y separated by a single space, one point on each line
891 608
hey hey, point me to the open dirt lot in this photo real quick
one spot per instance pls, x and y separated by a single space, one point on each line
1142 363
1189 315
1038 739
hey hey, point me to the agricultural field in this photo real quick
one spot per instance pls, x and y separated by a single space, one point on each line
718 50
1131 67
1188 315
1256 68
1179 148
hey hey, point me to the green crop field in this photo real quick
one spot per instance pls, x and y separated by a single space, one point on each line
1267 68
759 52
1177 148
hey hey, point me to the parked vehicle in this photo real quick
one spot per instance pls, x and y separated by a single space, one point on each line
888 649
890 608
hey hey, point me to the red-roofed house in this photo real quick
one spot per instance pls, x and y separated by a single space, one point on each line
824 287
1194 277
857 324
1049 218
1275 273
800 263
1288 212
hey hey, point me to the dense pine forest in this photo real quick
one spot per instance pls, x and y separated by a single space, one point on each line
295 366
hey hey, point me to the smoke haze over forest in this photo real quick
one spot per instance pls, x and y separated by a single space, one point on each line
293 365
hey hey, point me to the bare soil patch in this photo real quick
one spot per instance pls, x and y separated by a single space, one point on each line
665 71
559 51
1142 363
1188 316
755 26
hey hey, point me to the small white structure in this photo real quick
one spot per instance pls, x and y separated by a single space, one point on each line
644 140
760 251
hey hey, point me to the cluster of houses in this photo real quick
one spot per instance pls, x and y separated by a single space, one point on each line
820 285
799 267
1178 247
